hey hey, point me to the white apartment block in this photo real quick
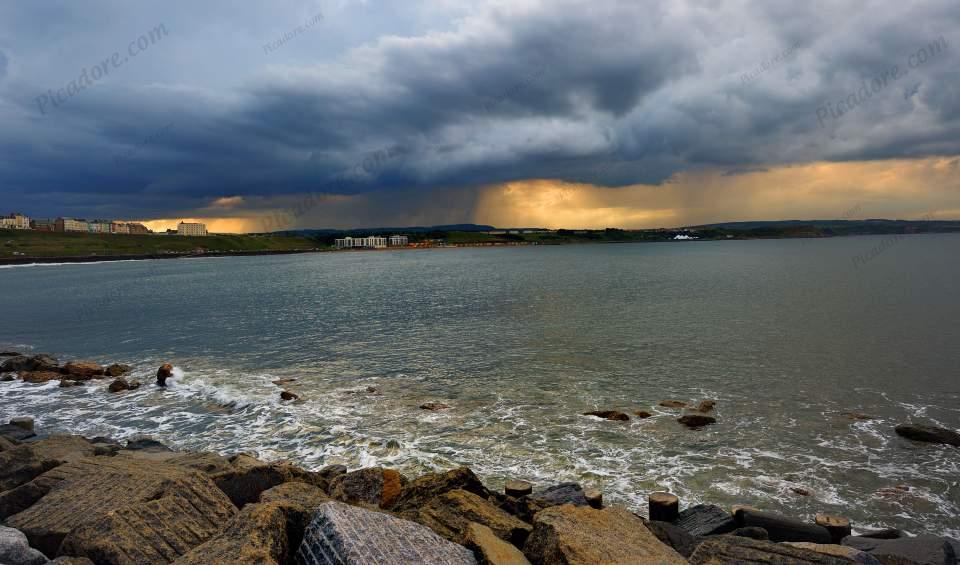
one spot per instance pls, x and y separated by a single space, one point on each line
399 241
184 228
374 241
99 226
15 222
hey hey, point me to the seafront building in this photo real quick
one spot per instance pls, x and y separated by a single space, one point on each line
71 225
399 241
372 242
15 222
185 228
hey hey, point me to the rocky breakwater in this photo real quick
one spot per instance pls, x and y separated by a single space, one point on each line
81 501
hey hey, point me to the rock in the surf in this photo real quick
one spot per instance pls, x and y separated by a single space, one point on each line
706 520
577 535
16 550
434 406
643 414
25 422
608 415
696 420
782 528
287 395
39 377
83 370
117 370
672 404
163 373
122 384
40 362
923 549
929 434
10 354
706 406
375 486
358 536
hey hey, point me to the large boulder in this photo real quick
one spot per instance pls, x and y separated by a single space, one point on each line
676 537
556 495
119 510
246 481
41 362
451 513
420 491
264 534
706 520
374 486
921 550
23 463
15 432
929 434
83 370
490 549
16 550
117 370
854 555
695 420
719 550
120 384
347 535
295 492
579 535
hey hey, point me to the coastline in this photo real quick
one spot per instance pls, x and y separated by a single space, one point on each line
245 501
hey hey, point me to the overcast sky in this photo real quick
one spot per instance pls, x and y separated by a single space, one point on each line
346 113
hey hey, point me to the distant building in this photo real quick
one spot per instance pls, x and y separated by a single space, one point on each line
45 224
15 222
374 241
119 227
136 228
71 225
99 226
184 228
399 241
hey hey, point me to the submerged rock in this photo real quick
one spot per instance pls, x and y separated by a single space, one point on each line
16 550
434 406
643 414
929 434
696 420
706 406
287 395
584 536
83 370
608 415
281 382
672 404
363 537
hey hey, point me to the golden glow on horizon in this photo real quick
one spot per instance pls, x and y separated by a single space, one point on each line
904 189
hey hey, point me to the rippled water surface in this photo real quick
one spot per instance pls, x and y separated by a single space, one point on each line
787 336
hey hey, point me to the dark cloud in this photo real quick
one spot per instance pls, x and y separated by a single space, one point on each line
458 95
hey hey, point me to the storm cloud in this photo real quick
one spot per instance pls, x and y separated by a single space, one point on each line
452 96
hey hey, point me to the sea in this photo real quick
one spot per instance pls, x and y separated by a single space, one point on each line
814 350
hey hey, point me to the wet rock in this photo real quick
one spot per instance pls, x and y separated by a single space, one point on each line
420 491
706 406
25 422
584 536
122 384
359 536
434 406
331 472
594 498
800 491
7 378
782 528
260 533
733 549
608 415
7 444
145 443
886 533
83 370
67 383
923 549
696 420
451 513
517 488
16 550
374 486
117 370
38 377
643 414
21 465
121 510
372 390
929 434
489 549
281 382
857 416
676 537
752 532
706 520
287 395
10 354
557 495
163 373
246 481
15 433
295 492
41 362
853 555
672 404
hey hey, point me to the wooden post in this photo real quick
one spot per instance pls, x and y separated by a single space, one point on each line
517 488
594 498
664 507
838 526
